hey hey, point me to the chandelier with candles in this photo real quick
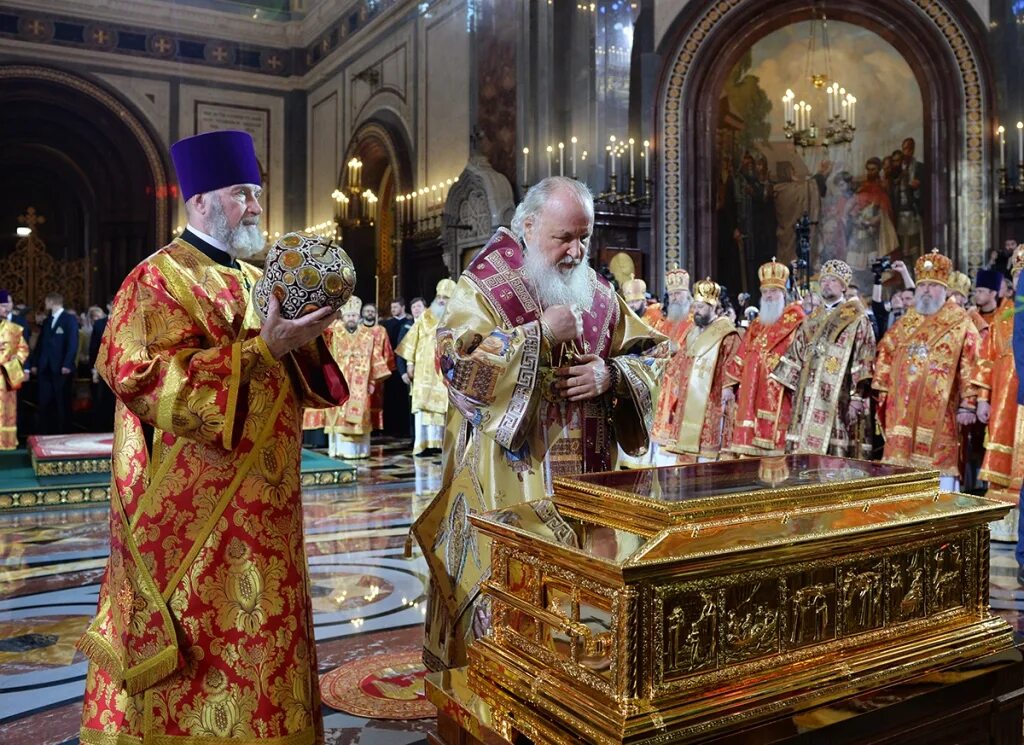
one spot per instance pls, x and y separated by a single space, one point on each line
801 118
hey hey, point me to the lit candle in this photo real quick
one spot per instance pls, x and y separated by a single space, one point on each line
526 165
1020 142
376 288
573 141
550 150
1002 147
561 158
647 160
785 111
632 173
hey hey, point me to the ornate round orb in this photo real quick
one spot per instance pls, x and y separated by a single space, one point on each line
304 272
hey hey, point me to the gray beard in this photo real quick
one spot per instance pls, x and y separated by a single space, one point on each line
771 310
244 242
554 288
437 309
677 311
927 306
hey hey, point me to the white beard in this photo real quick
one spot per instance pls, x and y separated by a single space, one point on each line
771 310
677 311
555 288
437 309
244 242
927 306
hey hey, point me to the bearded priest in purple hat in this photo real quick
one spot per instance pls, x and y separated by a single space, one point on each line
204 630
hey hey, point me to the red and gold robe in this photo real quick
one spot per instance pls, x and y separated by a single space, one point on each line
829 360
204 628
922 374
364 358
13 353
696 375
665 428
763 404
995 379
377 397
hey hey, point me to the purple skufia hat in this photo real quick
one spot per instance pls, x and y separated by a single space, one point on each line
214 160
989 279
5 296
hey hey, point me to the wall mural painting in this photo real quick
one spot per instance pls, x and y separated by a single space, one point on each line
867 196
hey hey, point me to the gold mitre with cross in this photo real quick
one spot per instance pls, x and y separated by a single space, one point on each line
1017 260
677 279
445 288
773 274
634 289
933 267
838 269
354 305
960 282
707 291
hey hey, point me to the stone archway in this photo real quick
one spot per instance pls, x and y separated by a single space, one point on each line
385 171
947 56
479 203
84 156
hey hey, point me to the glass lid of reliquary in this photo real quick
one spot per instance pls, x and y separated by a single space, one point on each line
650 499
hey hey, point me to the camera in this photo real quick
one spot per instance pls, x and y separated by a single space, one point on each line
881 264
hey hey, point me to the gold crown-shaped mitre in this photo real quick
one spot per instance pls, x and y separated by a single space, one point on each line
707 291
960 282
933 267
354 305
838 269
445 288
773 274
634 289
677 279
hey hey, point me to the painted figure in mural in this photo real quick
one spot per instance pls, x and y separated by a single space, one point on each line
533 350
794 197
909 205
835 227
870 214
204 631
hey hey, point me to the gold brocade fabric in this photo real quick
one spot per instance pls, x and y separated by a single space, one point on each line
922 374
418 348
363 357
831 356
204 628
698 374
666 426
508 432
995 378
763 405
13 353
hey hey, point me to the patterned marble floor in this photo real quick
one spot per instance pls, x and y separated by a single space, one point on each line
367 596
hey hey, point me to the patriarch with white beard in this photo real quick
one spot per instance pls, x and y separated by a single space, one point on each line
535 349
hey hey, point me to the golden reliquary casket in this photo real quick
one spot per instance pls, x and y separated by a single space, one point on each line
675 604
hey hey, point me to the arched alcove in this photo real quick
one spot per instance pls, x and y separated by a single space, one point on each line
941 41
83 158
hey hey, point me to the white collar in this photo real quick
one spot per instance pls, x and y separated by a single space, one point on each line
211 240
57 311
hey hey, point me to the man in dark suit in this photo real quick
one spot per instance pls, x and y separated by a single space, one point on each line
397 405
102 397
53 365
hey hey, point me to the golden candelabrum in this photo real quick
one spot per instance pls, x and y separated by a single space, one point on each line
678 603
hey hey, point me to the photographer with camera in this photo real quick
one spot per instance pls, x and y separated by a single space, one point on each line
887 314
